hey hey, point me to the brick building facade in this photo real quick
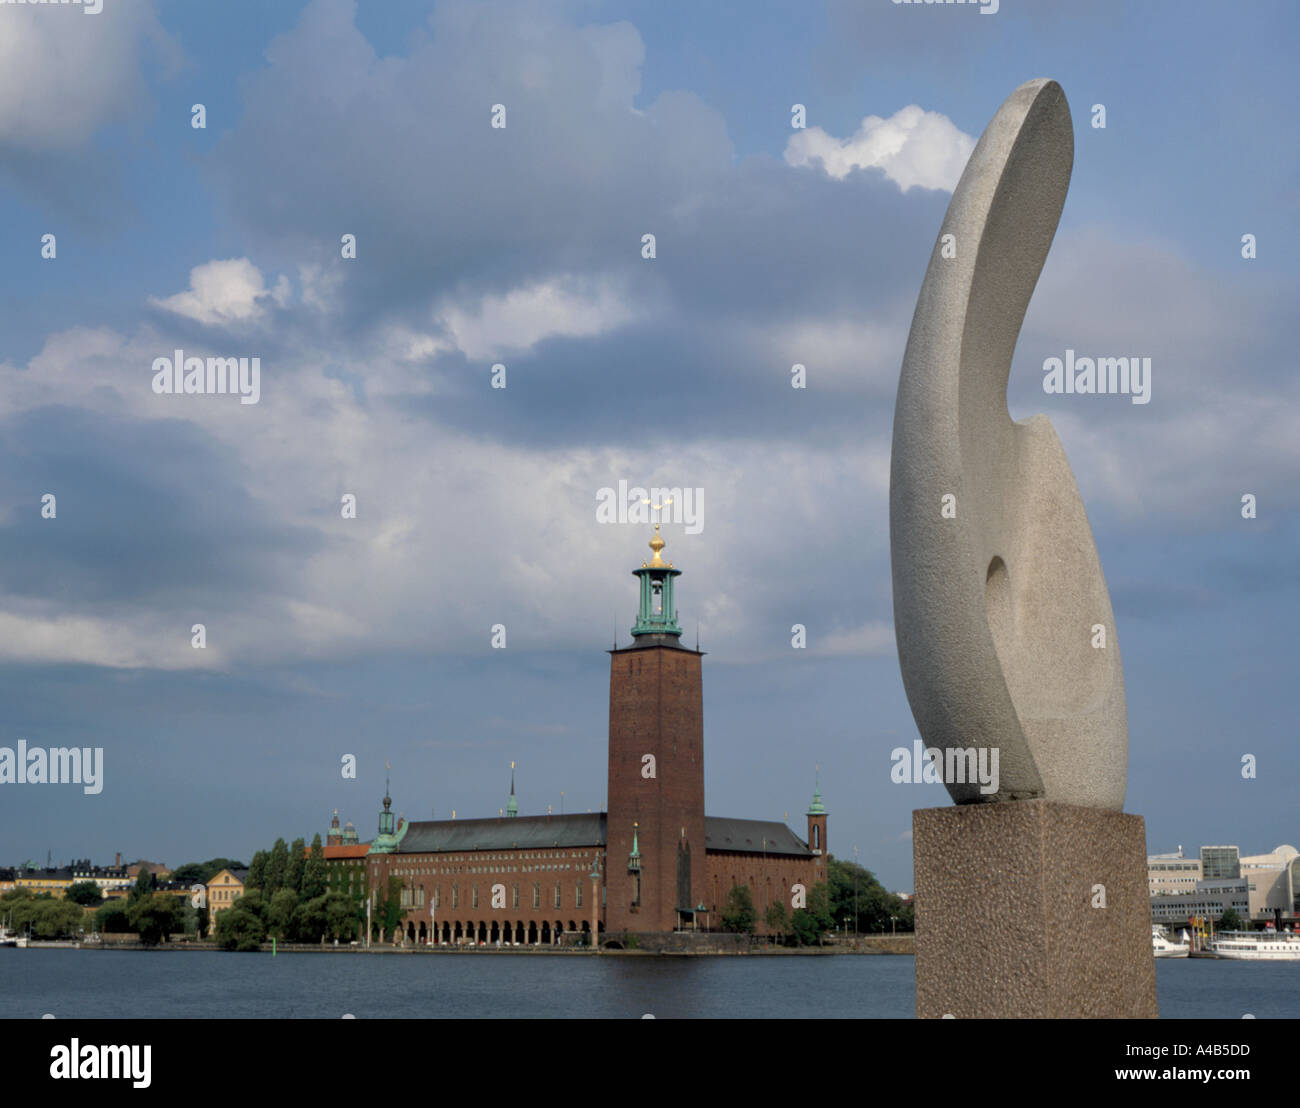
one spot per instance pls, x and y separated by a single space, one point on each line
653 862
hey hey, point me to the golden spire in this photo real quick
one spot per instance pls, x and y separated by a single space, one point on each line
657 544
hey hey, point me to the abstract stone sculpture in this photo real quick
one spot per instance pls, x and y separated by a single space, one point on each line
998 600
1034 903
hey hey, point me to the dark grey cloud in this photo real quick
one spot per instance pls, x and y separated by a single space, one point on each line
148 512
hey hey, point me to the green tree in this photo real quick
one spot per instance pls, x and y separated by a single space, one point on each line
343 916
200 873
279 915
256 878
777 920
253 901
310 921
314 879
18 907
85 893
905 916
192 873
739 914
804 927
240 929
297 863
855 893
57 919
201 921
112 918
388 910
155 917
1229 921
143 886
277 867
810 924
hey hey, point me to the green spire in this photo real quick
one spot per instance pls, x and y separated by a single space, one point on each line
656 616
512 805
817 808
387 839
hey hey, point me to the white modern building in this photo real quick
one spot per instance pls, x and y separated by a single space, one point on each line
1168 874
1264 885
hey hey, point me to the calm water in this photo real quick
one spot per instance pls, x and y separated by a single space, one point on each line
173 985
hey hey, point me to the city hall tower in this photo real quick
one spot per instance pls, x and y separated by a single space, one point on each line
656 869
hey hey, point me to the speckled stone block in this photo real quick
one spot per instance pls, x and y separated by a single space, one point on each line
1005 920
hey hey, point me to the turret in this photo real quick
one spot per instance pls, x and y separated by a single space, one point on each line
817 824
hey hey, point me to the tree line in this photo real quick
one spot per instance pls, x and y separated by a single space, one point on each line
287 897
850 898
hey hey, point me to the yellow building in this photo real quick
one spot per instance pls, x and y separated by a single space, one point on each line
54 880
223 889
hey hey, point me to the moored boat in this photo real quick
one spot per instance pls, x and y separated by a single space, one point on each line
1162 947
1270 945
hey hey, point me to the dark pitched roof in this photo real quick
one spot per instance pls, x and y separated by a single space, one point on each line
588 829
754 836
504 833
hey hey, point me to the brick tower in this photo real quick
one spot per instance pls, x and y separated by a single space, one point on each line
656 862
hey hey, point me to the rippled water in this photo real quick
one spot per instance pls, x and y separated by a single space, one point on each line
175 985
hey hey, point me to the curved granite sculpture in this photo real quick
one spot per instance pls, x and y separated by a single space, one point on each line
997 600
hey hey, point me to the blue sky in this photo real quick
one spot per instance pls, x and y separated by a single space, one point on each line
476 506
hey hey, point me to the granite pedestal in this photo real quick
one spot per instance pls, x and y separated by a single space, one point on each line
1005 920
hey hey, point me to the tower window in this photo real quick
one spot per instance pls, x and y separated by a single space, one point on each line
636 890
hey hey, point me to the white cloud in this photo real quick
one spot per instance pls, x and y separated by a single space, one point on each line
839 353
871 638
224 292
64 74
519 319
913 147
98 642
321 287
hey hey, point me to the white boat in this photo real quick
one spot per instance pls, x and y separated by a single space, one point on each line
1270 945
1161 946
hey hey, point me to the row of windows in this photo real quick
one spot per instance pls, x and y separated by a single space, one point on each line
526 857
494 864
557 899
444 871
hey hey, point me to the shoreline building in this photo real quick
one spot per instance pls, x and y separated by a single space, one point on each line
1172 874
653 863
345 860
1259 887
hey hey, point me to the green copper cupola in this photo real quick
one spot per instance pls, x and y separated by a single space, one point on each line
387 839
512 805
386 816
817 808
657 614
